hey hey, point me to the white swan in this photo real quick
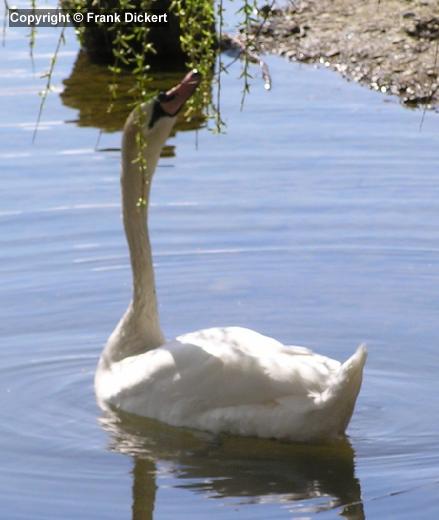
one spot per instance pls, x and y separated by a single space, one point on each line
227 379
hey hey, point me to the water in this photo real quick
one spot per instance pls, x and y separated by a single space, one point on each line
314 219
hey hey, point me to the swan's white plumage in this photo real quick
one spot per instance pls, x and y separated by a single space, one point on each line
238 381
228 379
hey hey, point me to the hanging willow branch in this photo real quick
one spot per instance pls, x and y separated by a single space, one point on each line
131 48
45 92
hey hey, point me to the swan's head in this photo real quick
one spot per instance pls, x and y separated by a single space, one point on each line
159 115
154 120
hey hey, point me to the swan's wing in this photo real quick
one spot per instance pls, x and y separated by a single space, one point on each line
218 368
239 342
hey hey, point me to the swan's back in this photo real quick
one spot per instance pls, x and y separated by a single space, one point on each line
238 381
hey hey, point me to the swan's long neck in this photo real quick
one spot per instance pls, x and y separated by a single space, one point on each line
144 303
139 329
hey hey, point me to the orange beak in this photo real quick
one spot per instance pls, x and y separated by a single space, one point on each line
173 100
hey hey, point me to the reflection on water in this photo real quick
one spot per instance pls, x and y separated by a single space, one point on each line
86 79
249 469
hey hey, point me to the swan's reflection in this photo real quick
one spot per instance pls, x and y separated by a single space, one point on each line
253 470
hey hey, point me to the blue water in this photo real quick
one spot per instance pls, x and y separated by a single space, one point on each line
312 219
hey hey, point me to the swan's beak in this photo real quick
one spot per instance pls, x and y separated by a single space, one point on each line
173 100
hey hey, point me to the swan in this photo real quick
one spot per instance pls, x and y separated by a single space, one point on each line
221 380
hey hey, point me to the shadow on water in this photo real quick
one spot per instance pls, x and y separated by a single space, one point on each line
254 471
87 79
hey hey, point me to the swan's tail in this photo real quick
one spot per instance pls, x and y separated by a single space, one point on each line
344 390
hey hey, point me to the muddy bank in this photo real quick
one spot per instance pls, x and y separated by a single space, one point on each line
390 45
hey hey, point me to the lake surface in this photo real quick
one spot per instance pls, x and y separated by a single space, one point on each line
314 219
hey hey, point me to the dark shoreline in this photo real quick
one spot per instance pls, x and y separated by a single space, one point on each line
389 45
